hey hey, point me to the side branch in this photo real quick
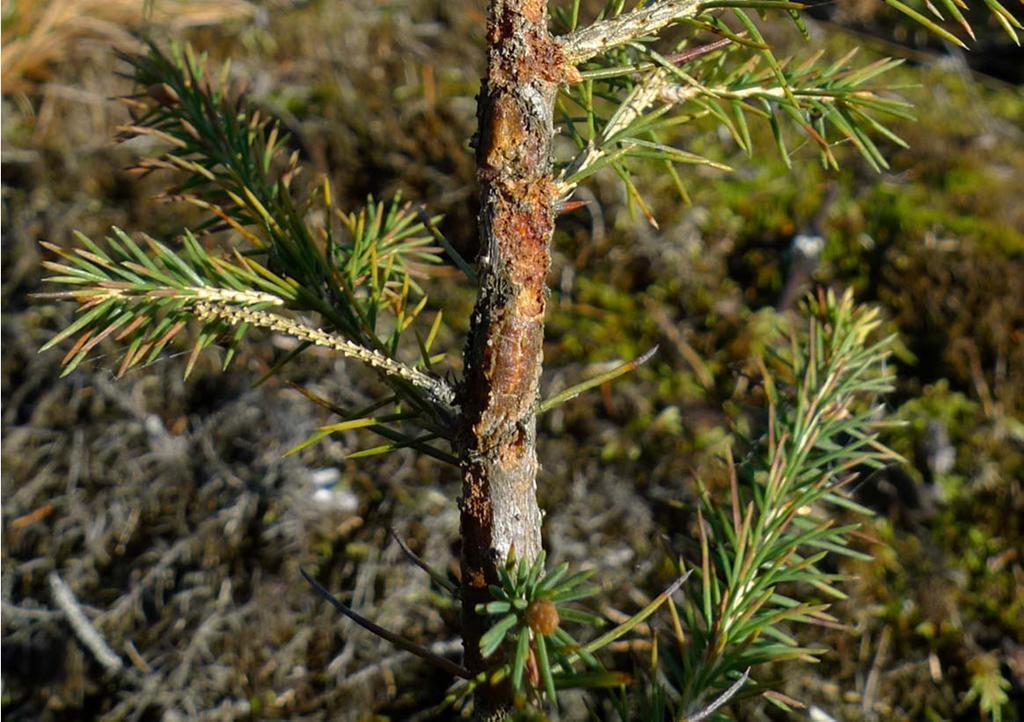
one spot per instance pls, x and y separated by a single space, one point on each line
601 37
438 389
642 97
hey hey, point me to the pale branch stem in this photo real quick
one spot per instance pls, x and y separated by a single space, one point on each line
656 88
677 94
199 293
642 97
64 598
235 315
601 37
228 295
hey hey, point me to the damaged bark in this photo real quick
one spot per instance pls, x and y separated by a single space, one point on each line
504 352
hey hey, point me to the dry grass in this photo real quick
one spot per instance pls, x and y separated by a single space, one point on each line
41 35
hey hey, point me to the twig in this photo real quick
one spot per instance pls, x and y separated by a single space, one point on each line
607 34
399 641
202 636
137 659
25 613
642 97
64 598
439 390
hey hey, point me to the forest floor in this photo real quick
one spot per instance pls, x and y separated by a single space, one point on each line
170 510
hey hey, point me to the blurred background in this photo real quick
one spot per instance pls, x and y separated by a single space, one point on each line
169 510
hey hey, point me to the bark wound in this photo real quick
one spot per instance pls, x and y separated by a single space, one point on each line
504 352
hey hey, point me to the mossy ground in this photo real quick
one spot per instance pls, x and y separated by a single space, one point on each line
170 510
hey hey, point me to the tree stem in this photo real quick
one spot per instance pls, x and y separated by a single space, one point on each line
504 352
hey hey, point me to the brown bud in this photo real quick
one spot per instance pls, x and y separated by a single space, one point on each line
542 617
532 670
572 73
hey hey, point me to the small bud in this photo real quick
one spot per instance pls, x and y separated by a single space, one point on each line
572 73
542 617
532 670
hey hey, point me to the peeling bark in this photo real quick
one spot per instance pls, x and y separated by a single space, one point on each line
504 352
